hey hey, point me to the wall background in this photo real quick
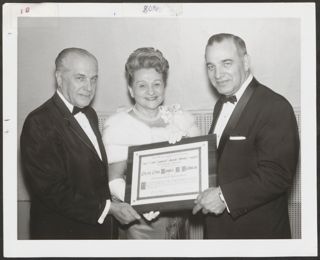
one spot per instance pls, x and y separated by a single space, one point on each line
273 44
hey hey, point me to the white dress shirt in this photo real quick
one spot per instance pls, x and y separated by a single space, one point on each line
225 114
85 125
227 109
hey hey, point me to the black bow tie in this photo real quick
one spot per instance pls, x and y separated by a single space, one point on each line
76 110
231 99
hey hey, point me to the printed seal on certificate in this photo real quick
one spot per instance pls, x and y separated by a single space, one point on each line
168 177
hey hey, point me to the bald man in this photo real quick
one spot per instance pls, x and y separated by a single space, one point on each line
64 160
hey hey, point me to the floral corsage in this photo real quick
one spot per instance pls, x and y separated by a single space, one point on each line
178 122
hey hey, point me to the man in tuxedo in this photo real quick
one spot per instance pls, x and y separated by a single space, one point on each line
258 149
64 160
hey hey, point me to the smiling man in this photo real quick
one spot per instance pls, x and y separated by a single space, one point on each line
258 147
64 160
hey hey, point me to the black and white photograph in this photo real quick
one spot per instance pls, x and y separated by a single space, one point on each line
130 128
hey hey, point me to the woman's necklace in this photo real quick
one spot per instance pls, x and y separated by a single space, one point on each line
143 117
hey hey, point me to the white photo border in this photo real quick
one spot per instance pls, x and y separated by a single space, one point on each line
306 246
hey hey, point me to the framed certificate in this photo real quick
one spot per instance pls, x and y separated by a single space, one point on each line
168 177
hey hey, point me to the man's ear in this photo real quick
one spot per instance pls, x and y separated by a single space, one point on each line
58 78
130 91
246 62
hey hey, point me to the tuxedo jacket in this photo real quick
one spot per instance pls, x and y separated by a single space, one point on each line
257 159
67 179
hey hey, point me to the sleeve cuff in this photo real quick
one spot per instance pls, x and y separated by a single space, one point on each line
105 212
223 199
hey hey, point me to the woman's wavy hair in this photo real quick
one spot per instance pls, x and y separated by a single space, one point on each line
146 58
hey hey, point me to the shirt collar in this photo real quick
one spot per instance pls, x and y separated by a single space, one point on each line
244 86
67 103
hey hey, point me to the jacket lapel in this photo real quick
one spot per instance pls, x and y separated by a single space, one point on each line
235 116
96 131
216 113
73 124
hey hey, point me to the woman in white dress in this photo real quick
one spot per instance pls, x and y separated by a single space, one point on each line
148 121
